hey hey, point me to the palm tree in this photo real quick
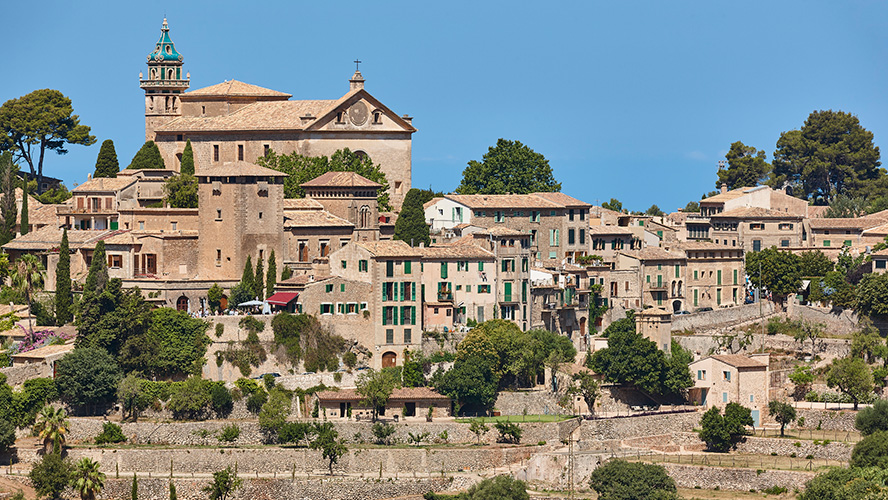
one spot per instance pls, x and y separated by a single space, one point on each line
87 479
28 276
52 426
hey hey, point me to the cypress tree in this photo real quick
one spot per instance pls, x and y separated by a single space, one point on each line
106 163
259 283
135 488
7 202
91 301
148 156
411 226
63 297
187 166
247 279
24 224
271 279
172 491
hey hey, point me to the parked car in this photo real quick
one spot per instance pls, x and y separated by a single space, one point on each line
679 313
704 309
275 375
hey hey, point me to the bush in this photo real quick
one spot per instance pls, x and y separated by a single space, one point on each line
50 476
383 432
337 377
111 433
508 432
268 381
256 400
229 433
295 432
721 433
7 435
774 490
191 400
350 360
220 329
873 419
621 480
499 488
871 451
220 399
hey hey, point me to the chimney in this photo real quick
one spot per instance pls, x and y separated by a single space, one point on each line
724 188
89 177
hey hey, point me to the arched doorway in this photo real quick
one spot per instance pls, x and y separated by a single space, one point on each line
676 306
582 326
182 304
389 359
223 302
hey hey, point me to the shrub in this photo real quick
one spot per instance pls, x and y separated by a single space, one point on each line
337 377
383 432
618 480
871 451
508 432
191 400
350 360
220 329
50 476
220 398
111 433
256 400
295 432
229 433
268 381
873 419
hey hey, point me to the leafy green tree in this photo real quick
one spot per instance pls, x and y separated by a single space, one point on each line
621 480
39 122
116 320
64 299
25 224
783 414
845 207
327 440
472 382
855 483
51 475
508 432
147 157
587 387
872 419
180 191
722 432
375 387
191 400
497 488
271 276
383 432
54 195
106 163
111 433
830 155
802 377
91 304
259 280
806 331
286 274
871 295
220 399
413 368
7 436
87 377
867 343
614 204
508 167
248 279
86 479
274 412
28 278
214 297
187 165
240 293
692 207
225 482
780 272
747 167
654 211
871 451
815 263
301 169
852 377
174 344
478 428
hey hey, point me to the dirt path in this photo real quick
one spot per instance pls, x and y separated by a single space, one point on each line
9 485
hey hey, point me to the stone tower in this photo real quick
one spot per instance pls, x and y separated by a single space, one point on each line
164 84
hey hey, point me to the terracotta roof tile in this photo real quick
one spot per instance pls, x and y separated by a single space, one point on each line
104 184
341 179
755 213
399 394
653 253
593 230
236 88
237 168
739 361
502 201
728 196
455 252
563 199
275 115
313 218
389 248
49 237
867 222
304 279
302 204
431 202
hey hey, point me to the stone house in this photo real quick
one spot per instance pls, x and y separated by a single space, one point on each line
606 241
661 273
732 378
46 355
715 274
880 261
561 297
342 306
830 235
655 324
754 229
393 270
457 285
96 203
237 122
404 403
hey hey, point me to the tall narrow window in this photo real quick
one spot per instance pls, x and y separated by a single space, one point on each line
240 152
215 152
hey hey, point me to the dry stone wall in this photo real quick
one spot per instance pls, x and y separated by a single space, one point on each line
720 317
689 476
787 447
831 420
593 432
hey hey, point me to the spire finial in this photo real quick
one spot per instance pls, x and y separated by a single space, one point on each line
165 27
357 63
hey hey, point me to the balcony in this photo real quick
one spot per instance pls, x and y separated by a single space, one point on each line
445 297
656 286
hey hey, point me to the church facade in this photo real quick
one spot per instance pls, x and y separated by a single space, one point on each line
238 122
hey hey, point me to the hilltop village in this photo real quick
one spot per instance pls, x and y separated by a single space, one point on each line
263 306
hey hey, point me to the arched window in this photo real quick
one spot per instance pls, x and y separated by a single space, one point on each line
365 217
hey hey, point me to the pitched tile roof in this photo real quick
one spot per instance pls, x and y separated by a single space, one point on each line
275 115
739 361
563 199
43 215
653 253
313 218
755 213
304 279
236 88
609 230
455 252
728 196
399 394
867 222
389 248
49 237
503 201
302 204
237 168
104 184
431 202
341 179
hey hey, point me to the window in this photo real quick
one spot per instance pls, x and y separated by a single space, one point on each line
724 397
752 398
173 225
443 270
408 267
362 266
785 227
784 243
218 214
327 308
880 264
570 215
826 243
499 216
718 296
408 336
695 274
582 236
215 152
677 268
389 336
757 245
266 149
351 308
462 265
483 288
735 276
389 268
115 261
240 152
846 243
571 236
695 297
726 376
535 216
553 237
218 256
141 225
343 264
328 288
481 266
757 226
701 374
342 287
719 277
340 308
260 215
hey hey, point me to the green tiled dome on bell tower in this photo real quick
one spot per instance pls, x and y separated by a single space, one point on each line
165 50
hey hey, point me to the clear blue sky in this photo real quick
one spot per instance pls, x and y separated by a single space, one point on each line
634 100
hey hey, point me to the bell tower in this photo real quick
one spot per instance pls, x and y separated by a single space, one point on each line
164 84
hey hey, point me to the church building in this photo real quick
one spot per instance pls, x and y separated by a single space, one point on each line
235 121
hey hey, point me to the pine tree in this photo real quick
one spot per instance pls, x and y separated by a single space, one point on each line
148 156
271 278
247 279
24 224
63 297
286 273
106 163
187 166
259 283
7 203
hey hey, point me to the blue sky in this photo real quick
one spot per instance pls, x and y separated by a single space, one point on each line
634 100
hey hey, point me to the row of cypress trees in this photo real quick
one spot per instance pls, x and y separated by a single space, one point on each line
148 157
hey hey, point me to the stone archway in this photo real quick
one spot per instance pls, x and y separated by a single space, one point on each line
182 303
389 359
676 306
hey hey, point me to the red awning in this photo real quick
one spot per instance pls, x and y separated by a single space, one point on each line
282 298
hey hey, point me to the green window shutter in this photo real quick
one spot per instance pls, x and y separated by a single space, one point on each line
443 270
695 274
342 287
408 267
718 296
507 291
659 280
676 270
389 268
719 277
648 278
412 315
660 234
384 316
413 291
735 276
524 291
395 314
695 297
480 266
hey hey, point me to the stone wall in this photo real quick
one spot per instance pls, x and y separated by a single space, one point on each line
281 461
16 375
592 432
836 320
689 476
701 345
786 447
83 430
831 420
720 317
343 488
529 402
